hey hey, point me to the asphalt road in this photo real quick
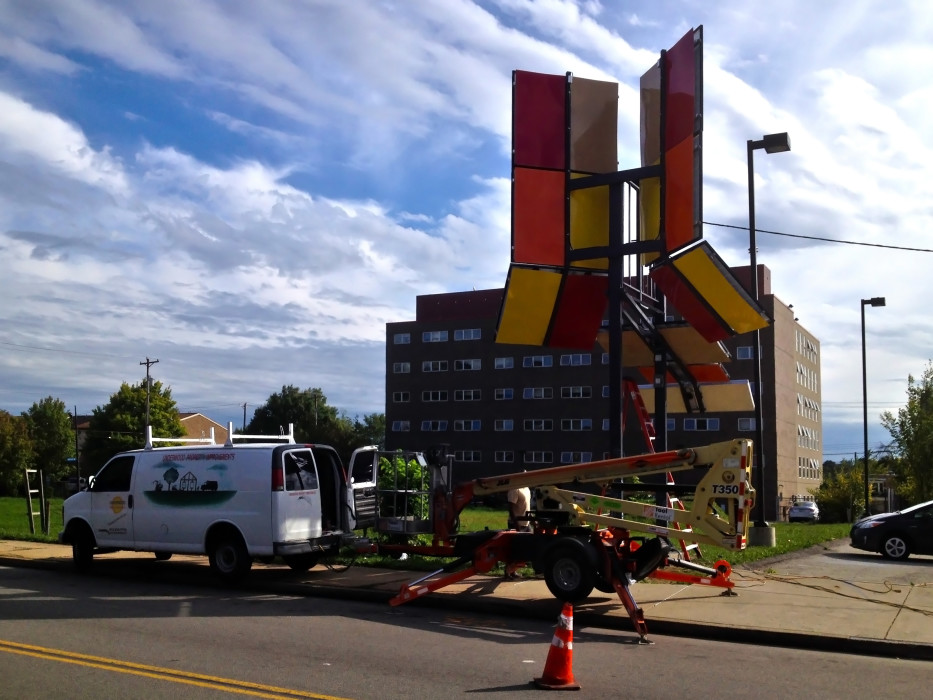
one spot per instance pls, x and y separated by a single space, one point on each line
69 636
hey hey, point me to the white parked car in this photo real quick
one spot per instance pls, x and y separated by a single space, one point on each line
803 512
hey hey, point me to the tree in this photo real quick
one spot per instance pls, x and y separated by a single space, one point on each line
307 410
371 430
912 433
53 437
15 454
121 423
841 495
316 421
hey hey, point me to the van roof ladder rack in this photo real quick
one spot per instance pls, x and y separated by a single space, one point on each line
282 437
201 440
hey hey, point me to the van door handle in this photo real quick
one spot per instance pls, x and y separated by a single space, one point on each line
129 501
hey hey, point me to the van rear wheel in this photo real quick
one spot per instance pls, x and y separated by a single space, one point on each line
301 562
229 557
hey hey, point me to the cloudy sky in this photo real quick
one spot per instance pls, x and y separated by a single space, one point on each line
248 191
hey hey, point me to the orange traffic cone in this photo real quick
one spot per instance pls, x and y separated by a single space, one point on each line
558 669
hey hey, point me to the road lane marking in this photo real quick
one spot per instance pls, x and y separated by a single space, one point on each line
159 673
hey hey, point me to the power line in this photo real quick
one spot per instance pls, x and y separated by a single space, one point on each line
819 238
68 352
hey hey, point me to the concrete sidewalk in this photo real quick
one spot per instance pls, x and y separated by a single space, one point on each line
832 598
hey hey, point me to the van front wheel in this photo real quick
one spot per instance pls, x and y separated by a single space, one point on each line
82 547
229 558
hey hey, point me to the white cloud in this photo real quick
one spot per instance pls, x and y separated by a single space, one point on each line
250 191
41 139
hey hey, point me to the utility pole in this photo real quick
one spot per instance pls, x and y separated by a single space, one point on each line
77 456
148 364
244 417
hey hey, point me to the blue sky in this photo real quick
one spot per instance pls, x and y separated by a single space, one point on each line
249 191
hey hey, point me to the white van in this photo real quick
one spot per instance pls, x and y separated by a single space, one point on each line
232 502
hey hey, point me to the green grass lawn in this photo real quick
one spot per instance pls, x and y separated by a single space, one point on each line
789 537
14 521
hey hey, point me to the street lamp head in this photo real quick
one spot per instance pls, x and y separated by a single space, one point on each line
776 143
874 301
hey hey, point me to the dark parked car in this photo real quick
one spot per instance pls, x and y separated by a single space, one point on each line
896 535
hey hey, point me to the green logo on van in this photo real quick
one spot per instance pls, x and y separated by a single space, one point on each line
178 488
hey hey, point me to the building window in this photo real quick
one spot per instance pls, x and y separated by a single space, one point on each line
537 361
505 394
434 366
576 424
468 456
432 396
605 358
538 425
468 395
576 392
808 437
605 424
504 425
744 352
671 424
467 426
746 424
538 457
433 426
400 426
467 365
577 359
538 392
434 337
401 367
401 397
401 338
468 334
505 362
505 456
605 391
701 424
575 457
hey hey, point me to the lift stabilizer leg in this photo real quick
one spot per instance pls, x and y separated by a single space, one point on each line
636 614
417 588
491 552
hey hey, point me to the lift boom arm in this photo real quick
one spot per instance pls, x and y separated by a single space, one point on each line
719 514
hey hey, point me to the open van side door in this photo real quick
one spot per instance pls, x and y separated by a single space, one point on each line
361 495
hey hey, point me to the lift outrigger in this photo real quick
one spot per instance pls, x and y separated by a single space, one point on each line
583 540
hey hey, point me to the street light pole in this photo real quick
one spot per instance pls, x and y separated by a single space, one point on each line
770 143
874 301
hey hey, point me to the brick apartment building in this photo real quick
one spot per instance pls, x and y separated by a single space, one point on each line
501 408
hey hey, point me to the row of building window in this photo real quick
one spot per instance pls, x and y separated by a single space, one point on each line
570 360
808 377
566 425
806 347
809 468
500 394
807 407
439 336
470 365
527 457
808 437
743 352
